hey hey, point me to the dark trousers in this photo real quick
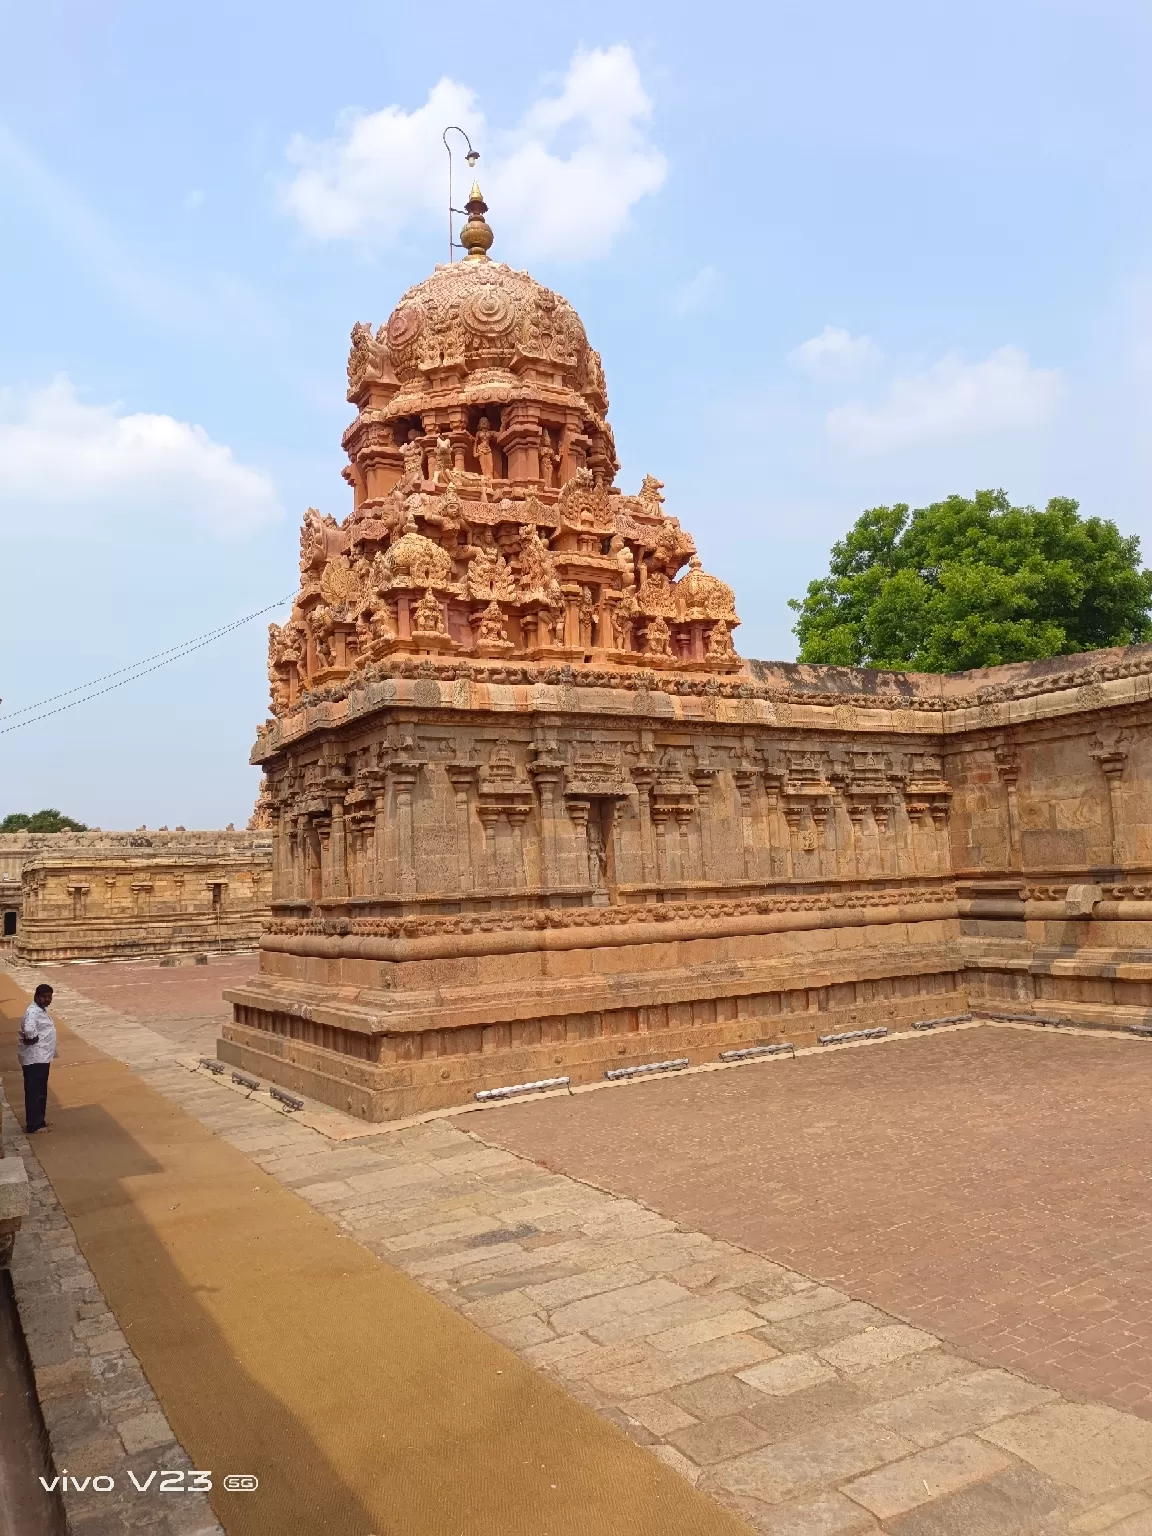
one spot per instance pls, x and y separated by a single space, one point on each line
35 1094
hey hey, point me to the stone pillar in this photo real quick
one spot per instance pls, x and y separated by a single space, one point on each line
572 639
1008 767
745 779
461 777
489 818
820 829
578 812
916 815
702 778
856 813
794 819
883 823
516 818
684 828
324 837
380 846
547 777
403 779
941 852
779 838
338 850
520 440
642 777
278 849
1112 761
667 848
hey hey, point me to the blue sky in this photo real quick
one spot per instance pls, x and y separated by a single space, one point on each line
832 255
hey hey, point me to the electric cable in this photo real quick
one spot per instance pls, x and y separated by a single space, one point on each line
136 669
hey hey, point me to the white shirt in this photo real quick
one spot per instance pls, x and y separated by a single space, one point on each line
37 1037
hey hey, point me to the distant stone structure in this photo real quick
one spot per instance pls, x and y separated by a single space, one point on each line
16 848
532 816
128 895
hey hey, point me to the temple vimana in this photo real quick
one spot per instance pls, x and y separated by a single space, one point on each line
533 817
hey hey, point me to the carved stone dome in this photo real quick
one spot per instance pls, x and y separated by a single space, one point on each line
488 318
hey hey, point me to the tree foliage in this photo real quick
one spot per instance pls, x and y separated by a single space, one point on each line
41 821
973 583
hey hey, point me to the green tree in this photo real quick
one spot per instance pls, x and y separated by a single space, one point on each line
973 583
41 821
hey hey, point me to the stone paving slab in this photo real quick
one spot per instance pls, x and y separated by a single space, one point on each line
981 1183
809 1412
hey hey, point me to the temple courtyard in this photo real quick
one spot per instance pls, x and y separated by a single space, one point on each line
897 1286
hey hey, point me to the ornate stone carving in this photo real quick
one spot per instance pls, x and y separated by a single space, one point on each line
339 584
414 562
368 361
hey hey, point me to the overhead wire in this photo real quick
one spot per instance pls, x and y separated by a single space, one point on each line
135 670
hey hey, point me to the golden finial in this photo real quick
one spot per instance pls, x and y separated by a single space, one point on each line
476 236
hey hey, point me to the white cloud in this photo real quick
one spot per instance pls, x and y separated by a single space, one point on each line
952 400
695 294
65 465
835 353
561 184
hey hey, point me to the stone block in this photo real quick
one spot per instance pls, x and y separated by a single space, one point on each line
1013 1502
878 1346
654 1372
145 1432
789 1373
811 1461
725 1323
895 1489
828 1514
645 1297
659 1414
958 1405
718 1439
800 1303
715 1397
15 1194
1085 1446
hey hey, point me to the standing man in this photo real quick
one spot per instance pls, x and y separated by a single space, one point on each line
36 1049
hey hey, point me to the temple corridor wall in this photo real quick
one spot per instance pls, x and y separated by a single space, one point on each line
478 880
128 895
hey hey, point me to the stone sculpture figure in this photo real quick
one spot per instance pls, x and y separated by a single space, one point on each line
547 460
428 616
413 461
657 640
588 617
482 446
624 621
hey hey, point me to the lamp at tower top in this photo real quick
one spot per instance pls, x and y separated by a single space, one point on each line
471 158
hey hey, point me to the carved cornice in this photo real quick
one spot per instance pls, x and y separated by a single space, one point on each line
427 926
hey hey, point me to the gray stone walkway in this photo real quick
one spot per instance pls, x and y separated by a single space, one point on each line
805 1410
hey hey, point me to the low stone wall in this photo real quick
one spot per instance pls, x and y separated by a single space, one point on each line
121 895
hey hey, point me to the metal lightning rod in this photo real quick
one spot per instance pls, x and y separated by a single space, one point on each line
471 157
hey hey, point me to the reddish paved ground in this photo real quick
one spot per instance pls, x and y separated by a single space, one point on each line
182 1002
989 1184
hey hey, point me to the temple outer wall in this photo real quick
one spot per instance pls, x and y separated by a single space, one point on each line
129 895
481 884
